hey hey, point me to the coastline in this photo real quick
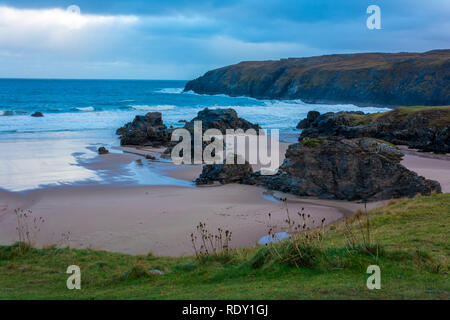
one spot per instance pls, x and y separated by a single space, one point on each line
127 218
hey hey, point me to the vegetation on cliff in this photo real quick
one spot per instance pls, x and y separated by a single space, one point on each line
438 116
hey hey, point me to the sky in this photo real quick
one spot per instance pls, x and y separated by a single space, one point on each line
180 39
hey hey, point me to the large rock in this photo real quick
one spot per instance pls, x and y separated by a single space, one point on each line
148 130
347 169
387 79
225 173
221 119
426 129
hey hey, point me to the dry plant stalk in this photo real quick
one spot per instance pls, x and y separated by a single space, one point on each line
27 228
205 243
302 235
365 240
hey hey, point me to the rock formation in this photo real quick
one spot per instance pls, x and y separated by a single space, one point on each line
148 130
347 169
221 119
225 173
426 129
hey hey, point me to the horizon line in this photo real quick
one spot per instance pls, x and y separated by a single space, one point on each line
95 79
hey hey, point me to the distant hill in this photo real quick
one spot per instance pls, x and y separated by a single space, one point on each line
388 79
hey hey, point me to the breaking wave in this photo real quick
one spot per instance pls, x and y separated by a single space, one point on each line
170 90
85 109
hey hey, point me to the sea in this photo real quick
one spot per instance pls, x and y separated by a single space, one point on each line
80 115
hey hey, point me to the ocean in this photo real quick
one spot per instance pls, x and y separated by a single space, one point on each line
80 115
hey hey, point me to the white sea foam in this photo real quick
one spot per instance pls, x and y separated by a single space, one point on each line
220 95
214 107
86 109
201 94
170 90
153 108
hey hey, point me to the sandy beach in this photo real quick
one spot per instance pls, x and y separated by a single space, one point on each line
159 219
429 165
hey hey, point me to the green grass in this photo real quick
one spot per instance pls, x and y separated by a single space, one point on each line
311 142
438 116
412 238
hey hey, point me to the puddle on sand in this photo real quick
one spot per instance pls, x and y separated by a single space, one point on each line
268 195
274 238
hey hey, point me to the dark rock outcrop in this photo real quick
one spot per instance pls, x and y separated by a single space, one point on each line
225 173
37 114
220 119
148 130
426 129
388 79
347 169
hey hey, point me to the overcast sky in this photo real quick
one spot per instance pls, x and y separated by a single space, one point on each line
180 39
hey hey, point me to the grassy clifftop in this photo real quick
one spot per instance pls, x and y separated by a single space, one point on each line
423 128
412 251
436 116
365 79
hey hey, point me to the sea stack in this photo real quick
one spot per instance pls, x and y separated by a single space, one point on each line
346 169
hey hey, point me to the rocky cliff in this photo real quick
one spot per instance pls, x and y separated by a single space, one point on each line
363 79
423 128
